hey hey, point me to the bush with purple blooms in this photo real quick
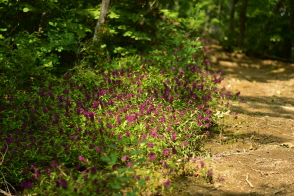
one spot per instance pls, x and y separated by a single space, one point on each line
111 131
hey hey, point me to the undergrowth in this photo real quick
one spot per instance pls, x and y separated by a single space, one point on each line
119 129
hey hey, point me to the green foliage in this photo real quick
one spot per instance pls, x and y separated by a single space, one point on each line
113 128
118 129
269 18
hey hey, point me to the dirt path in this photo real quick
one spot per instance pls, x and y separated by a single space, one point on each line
255 152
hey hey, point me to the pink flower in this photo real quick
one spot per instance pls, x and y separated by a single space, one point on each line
173 137
153 134
82 159
144 136
206 118
98 149
165 151
150 145
130 164
167 183
209 173
37 174
185 143
152 156
118 120
124 158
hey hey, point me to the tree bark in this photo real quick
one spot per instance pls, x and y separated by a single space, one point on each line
102 17
274 13
232 16
41 22
292 29
242 23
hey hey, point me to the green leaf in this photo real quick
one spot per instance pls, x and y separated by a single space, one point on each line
115 185
128 33
26 9
113 15
123 169
52 24
123 27
106 159
124 178
111 146
141 182
113 158
141 160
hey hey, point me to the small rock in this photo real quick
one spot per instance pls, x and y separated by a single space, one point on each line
217 185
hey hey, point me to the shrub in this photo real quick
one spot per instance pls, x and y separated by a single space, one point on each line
113 131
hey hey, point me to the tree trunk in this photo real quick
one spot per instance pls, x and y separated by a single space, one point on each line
232 16
242 23
292 29
274 13
41 22
101 20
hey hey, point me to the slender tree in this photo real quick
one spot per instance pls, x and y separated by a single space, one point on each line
232 16
242 23
101 20
274 14
292 28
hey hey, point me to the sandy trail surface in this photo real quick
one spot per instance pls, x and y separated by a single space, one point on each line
255 153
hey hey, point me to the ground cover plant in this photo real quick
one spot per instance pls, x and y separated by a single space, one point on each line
117 129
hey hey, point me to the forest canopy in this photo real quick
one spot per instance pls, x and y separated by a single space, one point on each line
57 35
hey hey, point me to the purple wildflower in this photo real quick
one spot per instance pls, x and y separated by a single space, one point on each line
109 126
118 120
61 98
41 93
167 183
98 149
209 173
153 134
124 158
185 143
63 183
129 164
37 174
208 112
138 177
173 137
26 185
66 91
152 156
115 167
82 159
165 151
144 136
150 145
45 110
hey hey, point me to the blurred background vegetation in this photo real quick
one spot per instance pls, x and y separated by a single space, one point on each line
52 36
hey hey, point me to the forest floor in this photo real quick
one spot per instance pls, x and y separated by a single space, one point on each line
255 153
